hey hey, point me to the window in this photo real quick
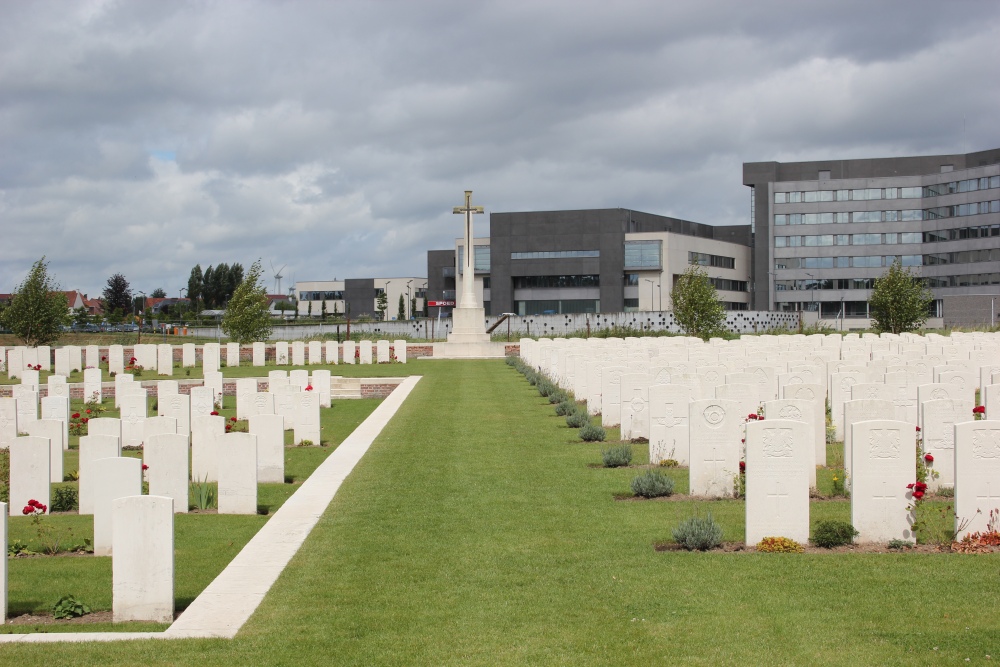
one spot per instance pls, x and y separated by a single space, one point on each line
910 193
631 279
911 215
529 282
555 254
780 198
911 237
842 239
481 260
781 220
779 241
717 261
642 254
867 216
729 285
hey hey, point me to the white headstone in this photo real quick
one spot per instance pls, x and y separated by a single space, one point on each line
159 426
114 478
29 472
635 405
106 426
202 402
305 418
977 475
93 389
8 421
133 411
92 448
281 356
871 391
365 348
27 406
62 362
238 474
669 433
882 464
611 392
298 353
205 434
165 359
142 569
246 389
382 351
840 391
991 401
779 460
58 386
262 403
862 411
15 364
299 378
92 354
75 358
213 381
320 382
349 352
799 410
116 359
167 458
259 354
270 433
210 358
178 407
189 355
52 431
716 426
937 431
232 354
57 407
315 352
399 350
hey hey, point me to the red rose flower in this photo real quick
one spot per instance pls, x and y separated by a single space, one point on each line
145 467
918 494
214 413
309 387
229 427
929 458
743 466
979 410
920 487
87 411
85 420
909 486
918 429
232 419
752 415
104 358
131 360
76 415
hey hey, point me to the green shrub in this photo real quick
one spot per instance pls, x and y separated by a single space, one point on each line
511 361
544 387
652 484
577 419
593 433
698 533
945 492
69 607
828 534
558 396
64 499
4 475
899 545
617 456
565 408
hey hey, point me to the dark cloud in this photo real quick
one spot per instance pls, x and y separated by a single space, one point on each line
335 137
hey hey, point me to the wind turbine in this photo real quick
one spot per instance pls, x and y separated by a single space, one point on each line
277 278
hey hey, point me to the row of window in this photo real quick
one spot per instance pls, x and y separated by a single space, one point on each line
728 285
937 213
704 259
557 306
632 305
809 285
528 282
877 261
554 254
869 194
337 295
957 234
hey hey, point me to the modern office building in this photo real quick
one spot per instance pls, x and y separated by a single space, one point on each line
359 296
823 231
590 261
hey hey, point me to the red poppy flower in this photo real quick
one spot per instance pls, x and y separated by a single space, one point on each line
929 458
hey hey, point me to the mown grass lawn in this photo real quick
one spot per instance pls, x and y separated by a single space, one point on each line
475 532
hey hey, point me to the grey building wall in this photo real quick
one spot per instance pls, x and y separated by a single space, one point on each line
892 172
970 310
441 283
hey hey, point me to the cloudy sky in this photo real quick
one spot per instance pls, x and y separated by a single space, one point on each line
335 137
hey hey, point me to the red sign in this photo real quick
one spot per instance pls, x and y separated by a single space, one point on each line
438 304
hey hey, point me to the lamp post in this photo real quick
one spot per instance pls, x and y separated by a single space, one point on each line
650 292
659 296
812 289
407 310
386 292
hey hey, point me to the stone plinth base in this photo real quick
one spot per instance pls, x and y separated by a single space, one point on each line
486 350
468 325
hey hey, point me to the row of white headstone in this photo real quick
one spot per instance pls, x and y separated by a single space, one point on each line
160 358
692 400
142 567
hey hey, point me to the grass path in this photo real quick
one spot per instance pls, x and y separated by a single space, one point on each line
474 532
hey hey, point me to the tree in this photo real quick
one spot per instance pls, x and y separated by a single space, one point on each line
900 301
401 310
696 303
322 312
310 310
195 285
381 302
247 318
413 307
158 293
118 296
37 310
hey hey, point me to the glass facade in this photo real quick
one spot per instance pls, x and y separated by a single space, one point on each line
336 295
553 307
936 213
528 282
870 194
555 254
704 259
643 254
876 261
481 261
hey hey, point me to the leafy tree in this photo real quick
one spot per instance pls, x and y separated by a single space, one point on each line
158 293
696 303
195 285
413 307
247 318
322 312
382 302
37 310
310 310
401 310
900 301
118 296
81 317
